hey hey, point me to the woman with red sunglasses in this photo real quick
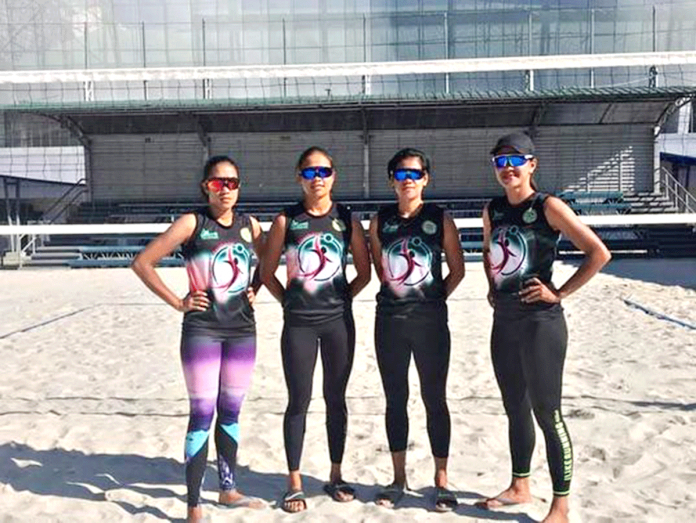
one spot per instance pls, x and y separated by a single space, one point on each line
529 336
407 241
218 338
316 235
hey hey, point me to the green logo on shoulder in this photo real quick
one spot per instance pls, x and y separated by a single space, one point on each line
299 226
338 225
529 216
429 227
245 233
207 234
390 227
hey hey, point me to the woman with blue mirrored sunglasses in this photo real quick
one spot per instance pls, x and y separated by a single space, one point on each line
529 335
316 235
408 240
309 173
402 174
513 160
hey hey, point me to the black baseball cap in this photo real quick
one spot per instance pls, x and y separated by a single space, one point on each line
520 142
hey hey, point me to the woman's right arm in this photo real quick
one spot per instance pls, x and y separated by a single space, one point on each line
144 265
376 248
273 249
486 252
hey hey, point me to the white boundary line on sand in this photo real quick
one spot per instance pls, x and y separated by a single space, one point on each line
658 315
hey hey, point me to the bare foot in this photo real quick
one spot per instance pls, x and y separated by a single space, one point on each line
194 514
559 511
234 498
513 495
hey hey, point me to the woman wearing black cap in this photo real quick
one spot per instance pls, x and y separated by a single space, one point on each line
529 337
407 240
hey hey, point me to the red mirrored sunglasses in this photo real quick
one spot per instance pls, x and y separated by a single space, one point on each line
216 184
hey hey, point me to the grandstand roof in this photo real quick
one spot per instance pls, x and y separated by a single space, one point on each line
570 106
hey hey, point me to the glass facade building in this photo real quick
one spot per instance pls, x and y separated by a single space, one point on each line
111 119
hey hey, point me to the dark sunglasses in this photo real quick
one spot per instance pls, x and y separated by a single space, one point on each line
217 184
309 173
408 174
513 160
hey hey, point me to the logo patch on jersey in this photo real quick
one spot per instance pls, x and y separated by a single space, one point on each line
299 226
319 257
429 227
497 215
245 233
207 234
390 227
230 270
338 225
529 216
407 263
508 251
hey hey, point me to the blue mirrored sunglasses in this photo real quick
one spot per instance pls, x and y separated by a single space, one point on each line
408 174
513 160
309 173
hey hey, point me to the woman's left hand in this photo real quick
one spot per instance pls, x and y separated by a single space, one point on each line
535 291
251 295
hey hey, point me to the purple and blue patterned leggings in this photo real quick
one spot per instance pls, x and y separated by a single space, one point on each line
217 371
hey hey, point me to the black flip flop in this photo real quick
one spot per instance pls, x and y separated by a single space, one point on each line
335 489
292 496
445 500
391 494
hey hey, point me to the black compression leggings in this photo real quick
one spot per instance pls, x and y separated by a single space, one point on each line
299 346
428 339
528 351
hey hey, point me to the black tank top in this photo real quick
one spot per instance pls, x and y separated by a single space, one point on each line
522 243
316 253
411 260
218 261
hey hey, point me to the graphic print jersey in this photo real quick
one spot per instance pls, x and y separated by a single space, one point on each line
218 261
316 252
522 243
411 260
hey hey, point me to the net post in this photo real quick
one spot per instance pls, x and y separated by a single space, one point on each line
446 28
592 45
529 73
142 32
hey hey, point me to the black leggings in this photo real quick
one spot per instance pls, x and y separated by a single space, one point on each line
299 346
528 351
428 338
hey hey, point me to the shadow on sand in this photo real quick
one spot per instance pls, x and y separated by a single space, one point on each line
663 271
97 477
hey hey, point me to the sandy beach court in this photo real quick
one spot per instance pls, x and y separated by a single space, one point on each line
93 408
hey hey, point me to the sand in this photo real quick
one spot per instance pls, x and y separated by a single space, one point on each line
93 409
